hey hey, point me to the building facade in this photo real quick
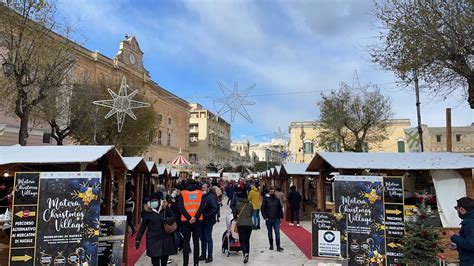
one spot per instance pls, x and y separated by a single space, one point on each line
263 152
173 112
209 136
462 139
304 140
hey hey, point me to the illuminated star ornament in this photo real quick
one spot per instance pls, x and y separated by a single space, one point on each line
234 101
122 104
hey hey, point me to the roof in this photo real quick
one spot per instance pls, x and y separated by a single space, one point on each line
56 154
296 169
278 169
393 161
135 163
151 165
213 174
162 170
180 160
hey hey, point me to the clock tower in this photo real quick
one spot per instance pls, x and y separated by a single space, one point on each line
131 56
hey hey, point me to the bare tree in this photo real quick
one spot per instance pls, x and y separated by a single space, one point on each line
353 119
39 58
430 40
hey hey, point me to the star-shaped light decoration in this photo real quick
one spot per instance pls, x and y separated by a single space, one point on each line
122 104
234 101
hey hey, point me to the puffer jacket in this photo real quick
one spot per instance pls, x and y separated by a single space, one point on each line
465 240
271 208
254 198
244 207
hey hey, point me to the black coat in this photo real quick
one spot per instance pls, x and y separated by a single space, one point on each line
294 198
271 208
211 207
158 242
465 240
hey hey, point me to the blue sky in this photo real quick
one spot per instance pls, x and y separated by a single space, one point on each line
281 46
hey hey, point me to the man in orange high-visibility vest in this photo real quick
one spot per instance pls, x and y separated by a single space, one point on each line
191 206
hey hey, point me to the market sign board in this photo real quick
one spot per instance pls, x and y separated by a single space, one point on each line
361 199
112 239
55 219
394 218
329 235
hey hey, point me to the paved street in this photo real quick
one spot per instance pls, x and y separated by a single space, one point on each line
259 253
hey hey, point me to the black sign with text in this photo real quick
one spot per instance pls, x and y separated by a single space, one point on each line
111 240
394 251
329 234
393 190
394 219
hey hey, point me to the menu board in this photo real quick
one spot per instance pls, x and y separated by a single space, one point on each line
112 240
56 219
329 235
394 219
361 199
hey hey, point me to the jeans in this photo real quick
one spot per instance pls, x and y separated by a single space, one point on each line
178 237
194 230
130 221
206 239
295 214
256 218
273 224
244 238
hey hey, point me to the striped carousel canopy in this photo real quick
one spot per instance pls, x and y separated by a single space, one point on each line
180 160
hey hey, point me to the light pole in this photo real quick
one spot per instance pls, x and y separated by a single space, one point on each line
302 135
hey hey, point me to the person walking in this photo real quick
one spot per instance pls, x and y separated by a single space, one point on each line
209 219
129 206
191 207
465 240
243 216
294 198
175 198
272 212
281 196
230 192
254 198
159 244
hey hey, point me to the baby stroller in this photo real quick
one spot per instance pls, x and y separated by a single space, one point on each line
230 239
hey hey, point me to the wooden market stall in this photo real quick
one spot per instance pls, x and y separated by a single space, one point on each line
447 176
296 174
151 178
137 169
105 159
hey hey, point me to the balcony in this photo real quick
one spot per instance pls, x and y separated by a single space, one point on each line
194 130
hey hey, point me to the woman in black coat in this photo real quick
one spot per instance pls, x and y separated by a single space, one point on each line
159 244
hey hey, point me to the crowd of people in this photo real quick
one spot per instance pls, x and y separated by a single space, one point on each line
192 208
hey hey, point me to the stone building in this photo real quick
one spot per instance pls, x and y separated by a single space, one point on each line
209 136
173 112
462 138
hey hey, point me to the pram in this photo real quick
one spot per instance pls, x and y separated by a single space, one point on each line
230 239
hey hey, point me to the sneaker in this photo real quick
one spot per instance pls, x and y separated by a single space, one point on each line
258 227
291 224
246 258
202 258
280 249
169 261
297 225
209 260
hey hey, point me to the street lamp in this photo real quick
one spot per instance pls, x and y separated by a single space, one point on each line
302 135
8 68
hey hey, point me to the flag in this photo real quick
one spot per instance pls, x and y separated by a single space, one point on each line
413 139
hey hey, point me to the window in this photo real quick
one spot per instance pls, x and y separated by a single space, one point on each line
169 138
458 137
438 138
308 147
46 137
159 137
169 121
401 146
150 158
160 119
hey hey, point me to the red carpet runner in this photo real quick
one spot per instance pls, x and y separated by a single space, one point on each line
133 254
300 236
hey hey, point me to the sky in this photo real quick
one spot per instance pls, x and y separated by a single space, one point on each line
293 50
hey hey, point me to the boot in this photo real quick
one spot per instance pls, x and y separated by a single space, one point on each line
271 244
279 249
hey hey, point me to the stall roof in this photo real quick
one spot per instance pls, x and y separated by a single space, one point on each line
162 170
135 163
213 174
277 169
55 154
151 165
393 161
296 169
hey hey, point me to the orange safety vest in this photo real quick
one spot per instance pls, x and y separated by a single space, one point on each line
192 201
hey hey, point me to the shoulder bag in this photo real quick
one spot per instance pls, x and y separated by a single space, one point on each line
169 228
236 230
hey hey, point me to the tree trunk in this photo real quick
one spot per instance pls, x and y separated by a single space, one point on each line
470 82
23 133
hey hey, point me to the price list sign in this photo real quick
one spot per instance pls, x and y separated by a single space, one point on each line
394 220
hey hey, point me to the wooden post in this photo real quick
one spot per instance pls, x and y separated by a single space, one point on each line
136 211
109 176
320 191
121 193
449 133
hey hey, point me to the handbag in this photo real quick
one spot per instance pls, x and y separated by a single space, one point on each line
169 228
236 230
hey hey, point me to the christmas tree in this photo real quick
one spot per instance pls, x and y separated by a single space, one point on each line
422 242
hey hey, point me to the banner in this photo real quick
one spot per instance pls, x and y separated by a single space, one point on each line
329 235
361 199
413 139
111 240
56 218
394 219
